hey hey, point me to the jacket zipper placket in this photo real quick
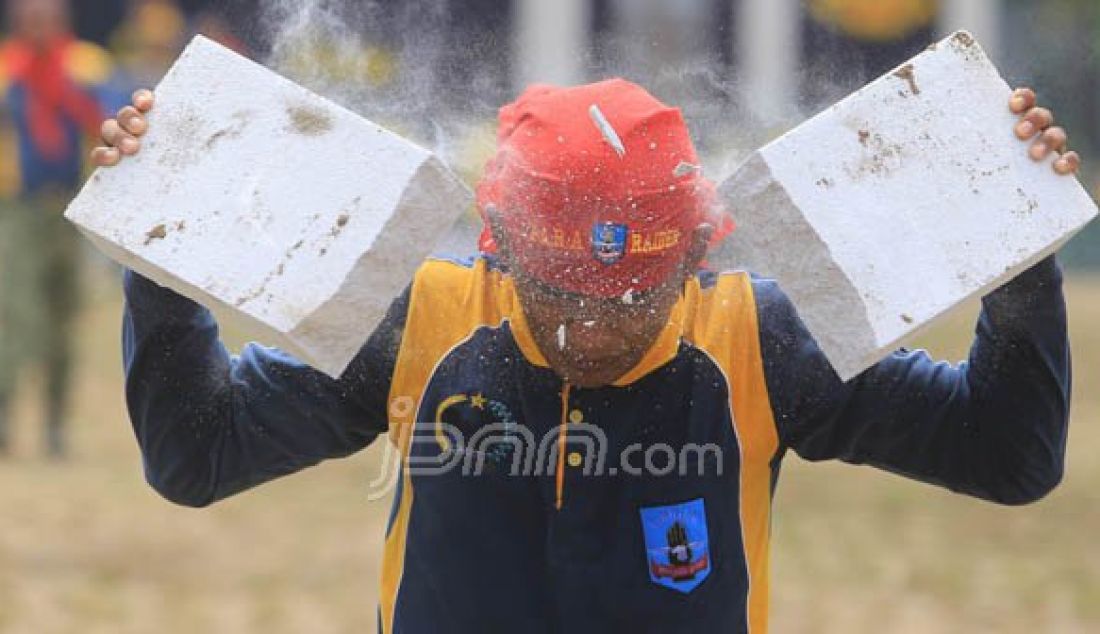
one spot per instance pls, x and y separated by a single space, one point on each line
562 435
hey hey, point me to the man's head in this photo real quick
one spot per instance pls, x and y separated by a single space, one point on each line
596 204
38 20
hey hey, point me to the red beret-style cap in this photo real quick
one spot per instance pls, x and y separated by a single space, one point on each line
598 187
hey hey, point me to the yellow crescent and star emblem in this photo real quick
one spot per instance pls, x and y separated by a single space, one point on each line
469 412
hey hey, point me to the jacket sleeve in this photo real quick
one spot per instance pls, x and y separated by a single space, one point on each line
210 424
993 426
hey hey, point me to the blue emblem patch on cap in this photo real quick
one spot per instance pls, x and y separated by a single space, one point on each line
677 545
608 241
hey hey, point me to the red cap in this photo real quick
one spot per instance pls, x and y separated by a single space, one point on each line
598 187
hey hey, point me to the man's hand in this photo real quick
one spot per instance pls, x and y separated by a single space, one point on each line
1038 124
121 135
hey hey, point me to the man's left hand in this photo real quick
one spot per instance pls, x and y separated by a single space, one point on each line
1037 124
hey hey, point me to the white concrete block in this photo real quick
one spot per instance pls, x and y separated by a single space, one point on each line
271 205
897 203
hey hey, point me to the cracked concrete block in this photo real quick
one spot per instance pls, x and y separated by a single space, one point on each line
271 206
899 202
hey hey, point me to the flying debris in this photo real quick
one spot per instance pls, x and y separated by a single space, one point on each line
606 130
685 168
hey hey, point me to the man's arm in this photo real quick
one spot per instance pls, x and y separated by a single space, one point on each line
211 425
993 427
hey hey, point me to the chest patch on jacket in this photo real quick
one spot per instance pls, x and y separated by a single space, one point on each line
477 425
677 545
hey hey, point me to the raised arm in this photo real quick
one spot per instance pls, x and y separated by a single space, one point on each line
993 427
211 424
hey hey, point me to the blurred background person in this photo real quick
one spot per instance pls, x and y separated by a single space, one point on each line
51 84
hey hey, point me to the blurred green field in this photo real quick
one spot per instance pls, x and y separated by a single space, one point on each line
85 546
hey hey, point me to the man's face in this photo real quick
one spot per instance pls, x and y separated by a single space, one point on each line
590 341
38 20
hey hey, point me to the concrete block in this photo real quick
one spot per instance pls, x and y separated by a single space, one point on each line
899 202
271 206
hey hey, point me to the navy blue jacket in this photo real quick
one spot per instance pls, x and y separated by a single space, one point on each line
668 531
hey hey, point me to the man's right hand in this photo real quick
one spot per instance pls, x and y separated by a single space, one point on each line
121 135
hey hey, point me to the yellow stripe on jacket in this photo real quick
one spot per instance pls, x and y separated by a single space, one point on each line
722 322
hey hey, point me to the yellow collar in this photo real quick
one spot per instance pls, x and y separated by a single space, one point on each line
663 350
512 310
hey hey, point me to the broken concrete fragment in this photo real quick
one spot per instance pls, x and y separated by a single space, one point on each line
303 220
607 130
684 168
901 201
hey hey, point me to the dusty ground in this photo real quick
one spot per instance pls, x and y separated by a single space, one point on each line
85 546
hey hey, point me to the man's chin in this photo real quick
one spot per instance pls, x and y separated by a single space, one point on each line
590 378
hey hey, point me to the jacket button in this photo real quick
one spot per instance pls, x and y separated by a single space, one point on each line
576 416
575 459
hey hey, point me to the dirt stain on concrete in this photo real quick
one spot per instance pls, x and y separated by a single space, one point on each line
156 233
232 131
964 38
1029 204
342 221
309 121
879 158
906 73
214 138
277 272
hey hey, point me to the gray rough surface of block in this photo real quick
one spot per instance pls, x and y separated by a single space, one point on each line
271 206
899 202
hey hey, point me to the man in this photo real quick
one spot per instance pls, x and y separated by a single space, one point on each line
592 324
51 85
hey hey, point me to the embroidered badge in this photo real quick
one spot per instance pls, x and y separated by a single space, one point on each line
608 242
677 544
469 414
